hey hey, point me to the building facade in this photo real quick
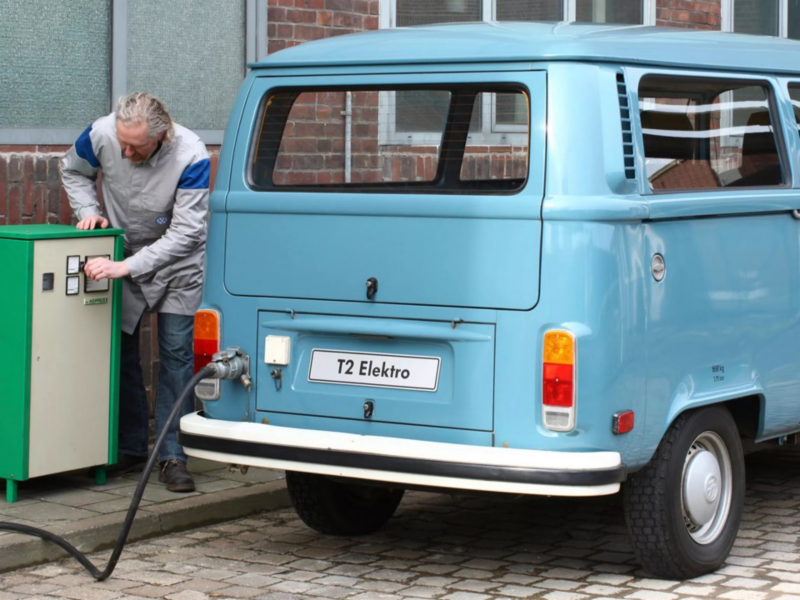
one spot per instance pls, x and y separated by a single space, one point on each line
66 63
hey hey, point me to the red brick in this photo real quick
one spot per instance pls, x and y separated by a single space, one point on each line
310 4
214 164
53 169
27 196
15 168
16 148
340 5
27 168
40 169
40 204
285 31
15 205
348 21
307 33
301 16
54 199
3 172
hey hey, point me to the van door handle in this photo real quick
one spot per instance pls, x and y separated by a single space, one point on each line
372 287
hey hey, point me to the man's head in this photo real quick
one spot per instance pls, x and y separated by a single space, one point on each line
142 123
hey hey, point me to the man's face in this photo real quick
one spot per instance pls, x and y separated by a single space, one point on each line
137 145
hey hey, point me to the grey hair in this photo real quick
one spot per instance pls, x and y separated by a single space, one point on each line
141 107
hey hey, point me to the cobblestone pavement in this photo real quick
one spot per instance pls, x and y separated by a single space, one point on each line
445 548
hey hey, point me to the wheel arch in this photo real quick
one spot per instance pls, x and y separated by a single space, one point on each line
747 410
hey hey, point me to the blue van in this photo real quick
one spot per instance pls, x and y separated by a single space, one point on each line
526 258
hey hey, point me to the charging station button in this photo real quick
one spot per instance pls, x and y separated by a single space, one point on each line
73 285
73 265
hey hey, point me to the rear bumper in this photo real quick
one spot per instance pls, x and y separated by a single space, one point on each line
402 461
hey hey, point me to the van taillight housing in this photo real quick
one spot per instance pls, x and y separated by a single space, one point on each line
206 337
558 381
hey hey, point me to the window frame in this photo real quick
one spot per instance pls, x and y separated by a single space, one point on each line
256 49
728 21
776 117
434 186
388 12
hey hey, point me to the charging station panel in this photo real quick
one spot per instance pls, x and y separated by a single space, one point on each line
59 352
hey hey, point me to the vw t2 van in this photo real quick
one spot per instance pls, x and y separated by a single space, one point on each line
521 258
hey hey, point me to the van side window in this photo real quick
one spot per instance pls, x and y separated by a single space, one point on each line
794 94
334 139
704 133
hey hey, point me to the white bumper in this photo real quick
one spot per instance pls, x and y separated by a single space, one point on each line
402 461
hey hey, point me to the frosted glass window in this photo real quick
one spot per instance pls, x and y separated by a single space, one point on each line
609 11
530 10
794 19
189 53
756 16
59 72
425 12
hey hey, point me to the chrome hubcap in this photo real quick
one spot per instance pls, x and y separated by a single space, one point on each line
706 488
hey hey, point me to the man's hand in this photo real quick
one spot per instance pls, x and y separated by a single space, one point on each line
92 222
102 268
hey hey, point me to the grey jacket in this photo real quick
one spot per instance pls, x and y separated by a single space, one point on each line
161 204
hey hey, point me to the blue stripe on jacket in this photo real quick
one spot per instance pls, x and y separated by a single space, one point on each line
83 146
196 176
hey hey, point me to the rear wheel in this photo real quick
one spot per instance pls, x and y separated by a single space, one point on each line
341 507
684 508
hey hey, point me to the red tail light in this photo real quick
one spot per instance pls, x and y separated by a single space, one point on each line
558 386
206 337
558 381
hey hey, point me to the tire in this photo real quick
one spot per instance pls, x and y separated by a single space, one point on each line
684 508
339 507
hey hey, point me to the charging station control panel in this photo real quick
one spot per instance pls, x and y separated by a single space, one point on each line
59 353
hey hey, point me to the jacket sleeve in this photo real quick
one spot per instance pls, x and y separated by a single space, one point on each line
187 230
79 169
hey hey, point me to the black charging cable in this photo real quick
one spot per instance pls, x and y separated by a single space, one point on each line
207 371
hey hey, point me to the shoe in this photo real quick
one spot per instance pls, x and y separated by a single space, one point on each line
126 463
176 476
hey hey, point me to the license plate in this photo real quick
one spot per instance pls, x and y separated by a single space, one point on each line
398 371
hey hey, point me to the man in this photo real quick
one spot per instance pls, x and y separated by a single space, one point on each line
155 185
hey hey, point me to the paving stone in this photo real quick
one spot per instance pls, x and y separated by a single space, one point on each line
187 595
516 591
744 595
652 595
743 582
440 547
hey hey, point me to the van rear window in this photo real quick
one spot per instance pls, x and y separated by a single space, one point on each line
704 133
794 94
426 139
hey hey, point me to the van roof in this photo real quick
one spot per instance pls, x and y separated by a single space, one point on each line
513 41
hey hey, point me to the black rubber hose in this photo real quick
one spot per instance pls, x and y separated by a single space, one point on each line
132 509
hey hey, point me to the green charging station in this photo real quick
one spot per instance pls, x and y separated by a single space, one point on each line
59 353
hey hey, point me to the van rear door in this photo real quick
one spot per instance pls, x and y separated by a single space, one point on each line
428 186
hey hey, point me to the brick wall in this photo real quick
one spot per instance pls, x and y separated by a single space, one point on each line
31 192
293 22
691 15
